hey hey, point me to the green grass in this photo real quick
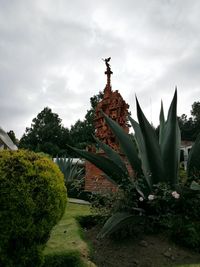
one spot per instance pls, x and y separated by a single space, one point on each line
66 237
188 265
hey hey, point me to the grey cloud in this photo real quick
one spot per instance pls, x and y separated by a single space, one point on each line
50 55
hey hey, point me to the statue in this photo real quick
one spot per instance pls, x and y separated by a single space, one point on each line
108 72
106 60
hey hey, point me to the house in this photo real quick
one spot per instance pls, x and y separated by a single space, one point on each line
5 141
184 153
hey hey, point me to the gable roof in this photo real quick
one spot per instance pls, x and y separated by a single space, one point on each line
6 140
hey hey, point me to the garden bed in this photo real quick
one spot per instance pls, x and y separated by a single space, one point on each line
146 251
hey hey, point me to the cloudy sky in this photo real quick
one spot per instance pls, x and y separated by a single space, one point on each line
51 51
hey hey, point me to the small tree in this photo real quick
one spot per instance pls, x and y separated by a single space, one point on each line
46 134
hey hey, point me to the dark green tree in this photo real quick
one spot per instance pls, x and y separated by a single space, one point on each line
187 127
195 112
46 134
190 127
81 132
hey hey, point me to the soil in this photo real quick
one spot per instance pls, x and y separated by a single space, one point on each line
148 251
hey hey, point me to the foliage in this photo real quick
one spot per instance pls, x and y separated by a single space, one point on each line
71 258
71 171
195 112
186 232
81 132
156 169
73 174
88 221
46 134
103 204
155 160
33 199
190 127
193 165
42 154
75 189
187 127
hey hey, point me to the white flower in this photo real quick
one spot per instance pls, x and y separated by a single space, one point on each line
151 197
175 194
141 199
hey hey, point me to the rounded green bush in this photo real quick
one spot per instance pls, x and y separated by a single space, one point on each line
32 201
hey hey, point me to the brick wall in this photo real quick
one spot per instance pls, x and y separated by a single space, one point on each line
96 181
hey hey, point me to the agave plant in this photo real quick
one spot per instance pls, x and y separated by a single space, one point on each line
155 160
71 171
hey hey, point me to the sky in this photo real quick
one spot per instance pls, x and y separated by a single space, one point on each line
51 55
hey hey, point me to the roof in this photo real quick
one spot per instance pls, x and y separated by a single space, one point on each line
6 140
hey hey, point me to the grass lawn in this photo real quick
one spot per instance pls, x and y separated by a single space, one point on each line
66 237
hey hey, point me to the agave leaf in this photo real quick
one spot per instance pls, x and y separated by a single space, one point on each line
153 152
126 145
193 165
114 172
145 191
195 186
162 124
71 171
113 155
115 222
142 151
170 144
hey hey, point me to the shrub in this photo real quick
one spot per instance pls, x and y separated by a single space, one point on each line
33 199
70 170
73 175
72 259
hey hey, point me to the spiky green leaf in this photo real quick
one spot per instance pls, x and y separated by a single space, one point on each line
114 172
152 147
115 222
170 144
162 124
113 155
195 186
126 144
142 151
70 170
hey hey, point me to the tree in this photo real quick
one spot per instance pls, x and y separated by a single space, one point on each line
195 112
12 136
190 127
187 128
81 132
46 134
